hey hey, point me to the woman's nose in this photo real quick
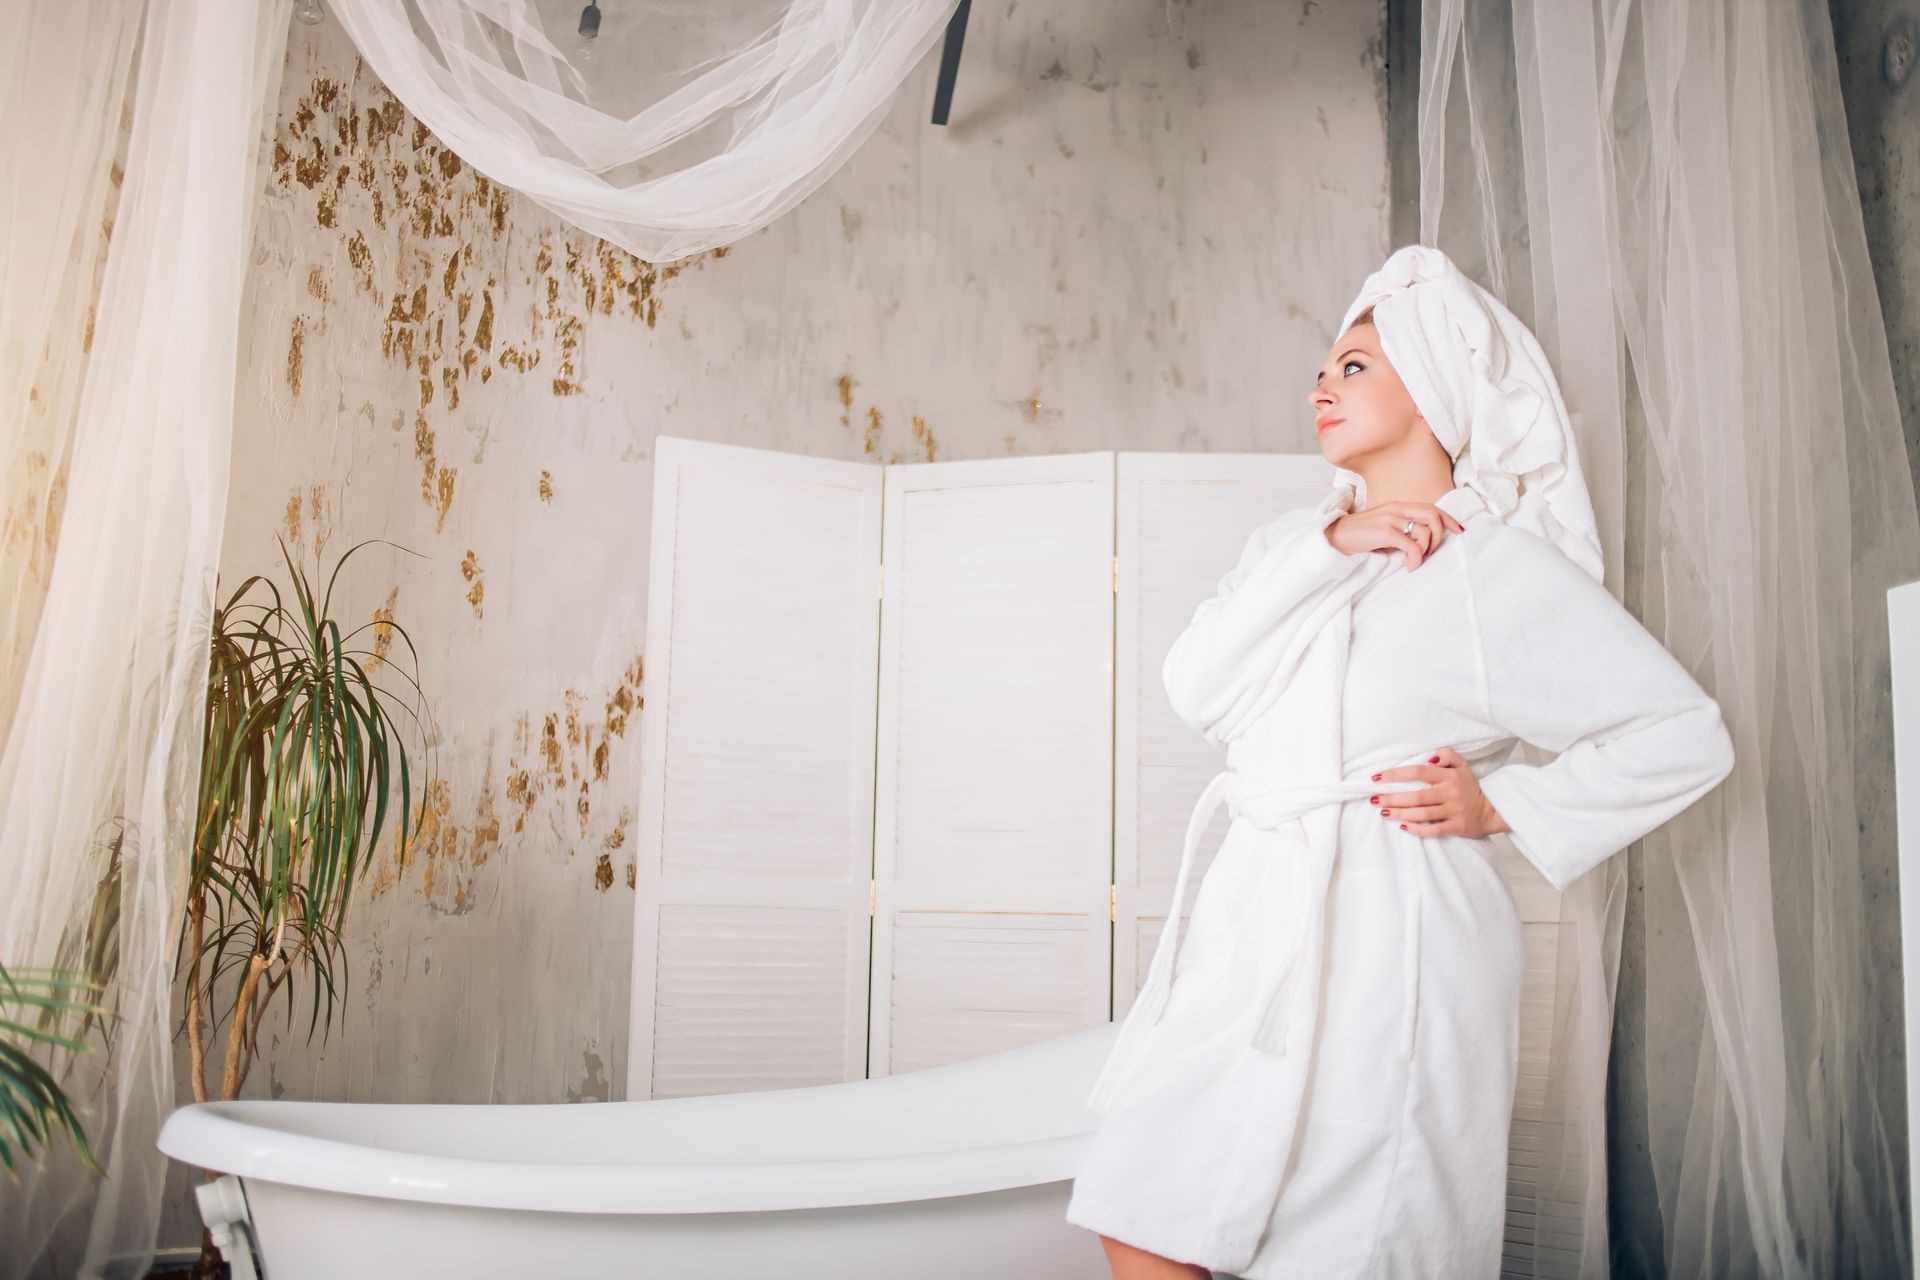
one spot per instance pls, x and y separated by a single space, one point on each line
1319 398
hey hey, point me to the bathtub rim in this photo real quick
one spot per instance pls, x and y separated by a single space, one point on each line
208 1135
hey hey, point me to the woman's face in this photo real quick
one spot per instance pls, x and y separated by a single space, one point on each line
1360 407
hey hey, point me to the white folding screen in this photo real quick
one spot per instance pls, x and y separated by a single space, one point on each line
911 789
993 814
755 850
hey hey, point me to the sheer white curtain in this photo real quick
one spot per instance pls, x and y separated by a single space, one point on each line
685 124
127 391
66 68
1665 191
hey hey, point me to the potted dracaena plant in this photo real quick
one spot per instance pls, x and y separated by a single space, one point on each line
301 752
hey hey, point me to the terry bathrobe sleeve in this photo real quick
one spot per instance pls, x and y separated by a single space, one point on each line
1570 670
1244 641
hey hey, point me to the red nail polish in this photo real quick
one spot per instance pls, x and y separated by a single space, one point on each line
1385 812
1403 826
1373 799
1375 778
1433 759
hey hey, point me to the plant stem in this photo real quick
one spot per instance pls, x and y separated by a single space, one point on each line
195 1043
238 1061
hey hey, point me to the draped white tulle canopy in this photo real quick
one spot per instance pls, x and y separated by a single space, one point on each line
678 127
1660 190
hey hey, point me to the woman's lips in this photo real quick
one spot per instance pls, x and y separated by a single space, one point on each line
1324 423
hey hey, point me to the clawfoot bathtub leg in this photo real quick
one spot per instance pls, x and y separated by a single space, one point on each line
1129 1263
223 1207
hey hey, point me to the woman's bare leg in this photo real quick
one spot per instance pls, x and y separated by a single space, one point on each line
1129 1263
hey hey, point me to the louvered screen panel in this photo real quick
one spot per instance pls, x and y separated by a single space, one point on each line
751 929
993 805
1183 519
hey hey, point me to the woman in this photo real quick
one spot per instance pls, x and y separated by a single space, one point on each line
1319 1082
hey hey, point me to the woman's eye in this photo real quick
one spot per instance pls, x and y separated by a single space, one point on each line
1351 364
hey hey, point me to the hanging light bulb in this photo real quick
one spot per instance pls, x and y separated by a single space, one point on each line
589 29
309 12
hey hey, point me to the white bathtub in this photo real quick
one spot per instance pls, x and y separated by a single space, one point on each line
955 1171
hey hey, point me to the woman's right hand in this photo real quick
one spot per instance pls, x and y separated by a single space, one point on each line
1382 528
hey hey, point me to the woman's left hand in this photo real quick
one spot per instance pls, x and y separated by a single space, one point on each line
1453 805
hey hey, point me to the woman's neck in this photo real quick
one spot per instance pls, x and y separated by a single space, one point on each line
1406 493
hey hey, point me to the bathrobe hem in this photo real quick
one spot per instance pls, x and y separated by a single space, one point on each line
1170 1240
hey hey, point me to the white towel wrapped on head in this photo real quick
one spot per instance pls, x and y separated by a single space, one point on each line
1485 388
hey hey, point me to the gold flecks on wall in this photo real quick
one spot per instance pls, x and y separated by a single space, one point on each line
436 482
294 355
317 518
875 430
437 844
521 793
603 869
627 698
570 754
550 754
433 836
470 570
360 259
575 701
483 328
383 630
425 239
546 486
315 521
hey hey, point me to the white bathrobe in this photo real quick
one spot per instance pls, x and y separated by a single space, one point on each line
1319 1086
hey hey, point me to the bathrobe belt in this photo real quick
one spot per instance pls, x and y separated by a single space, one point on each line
1284 1027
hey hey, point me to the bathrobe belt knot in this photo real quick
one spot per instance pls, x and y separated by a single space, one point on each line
1285 1027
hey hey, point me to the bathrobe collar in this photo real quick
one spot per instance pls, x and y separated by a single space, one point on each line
1460 502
